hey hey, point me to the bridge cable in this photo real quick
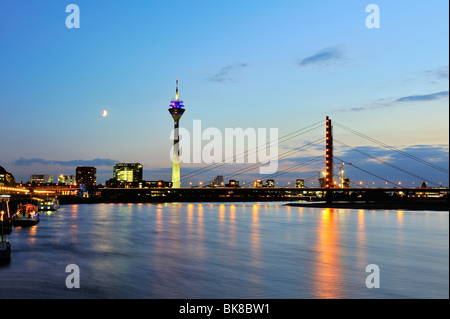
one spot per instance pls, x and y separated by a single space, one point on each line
283 156
216 165
353 165
388 164
313 160
393 148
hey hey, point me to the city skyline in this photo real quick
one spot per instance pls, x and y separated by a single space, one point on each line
251 65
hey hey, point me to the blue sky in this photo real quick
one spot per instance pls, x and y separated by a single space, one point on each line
258 64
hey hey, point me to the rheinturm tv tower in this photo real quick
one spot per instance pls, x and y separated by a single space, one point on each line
176 110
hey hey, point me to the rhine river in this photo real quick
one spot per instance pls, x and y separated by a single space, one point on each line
228 250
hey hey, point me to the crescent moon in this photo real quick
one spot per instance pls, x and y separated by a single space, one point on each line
105 113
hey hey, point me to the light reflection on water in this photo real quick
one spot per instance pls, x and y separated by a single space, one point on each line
228 250
328 264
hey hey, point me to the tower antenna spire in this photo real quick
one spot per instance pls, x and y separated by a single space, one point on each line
176 93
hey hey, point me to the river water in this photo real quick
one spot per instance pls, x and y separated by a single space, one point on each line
228 250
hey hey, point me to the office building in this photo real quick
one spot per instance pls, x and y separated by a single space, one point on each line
345 182
258 183
270 183
299 183
218 181
86 176
128 172
41 179
6 178
67 179
232 183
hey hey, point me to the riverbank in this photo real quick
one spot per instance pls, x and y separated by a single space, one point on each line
433 205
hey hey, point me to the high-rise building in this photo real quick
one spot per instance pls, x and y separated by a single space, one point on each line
128 172
345 182
322 182
232 183
300 183
258 183
41 178
270 183
6 178
218 181
176 110
86 175
67 179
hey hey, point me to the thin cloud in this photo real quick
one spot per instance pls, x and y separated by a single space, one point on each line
95 162
357 109
382 103
426 97
327 56
373 106
228 73
439 73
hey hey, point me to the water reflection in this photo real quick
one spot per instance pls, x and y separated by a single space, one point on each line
254 234
328 281
232 250
361 240
255 275
232 241
400 218
190 216
200 244
32 234
400 237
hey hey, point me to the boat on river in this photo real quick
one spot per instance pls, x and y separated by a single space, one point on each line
49 204
27 215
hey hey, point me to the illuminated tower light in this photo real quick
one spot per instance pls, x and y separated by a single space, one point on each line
176 110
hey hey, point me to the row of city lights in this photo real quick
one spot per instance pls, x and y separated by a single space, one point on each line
13 189
312 183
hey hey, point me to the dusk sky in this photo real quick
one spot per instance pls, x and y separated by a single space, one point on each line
249 64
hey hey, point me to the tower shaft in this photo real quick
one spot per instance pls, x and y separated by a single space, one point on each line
329 177
176 110
176 175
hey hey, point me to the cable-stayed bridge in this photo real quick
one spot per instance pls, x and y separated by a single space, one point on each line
333 187
321 159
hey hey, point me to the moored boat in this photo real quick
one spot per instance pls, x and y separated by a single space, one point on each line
5 250
5 222
5 246
27 215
